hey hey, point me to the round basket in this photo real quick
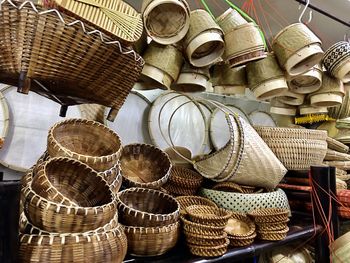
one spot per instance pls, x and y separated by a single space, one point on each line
244 203
227 80
201 240
203 43
266 79
84 247
70 182
147 208
229 20
208 215
243 44
308 109
145 166
299 55
228 187
151 241
291 98
186 201
342 111
290 133
240 226
273 235
191 79
306 83
263 227
166 21
87 141
209 251
269 215
242 241
185 178
200 229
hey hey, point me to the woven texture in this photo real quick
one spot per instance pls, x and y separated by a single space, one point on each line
208 215
200 229
230 20
330 85
209 251
186 201
273 235
337 55
336 156
227 76
269 215
342 111
93 112
240 226
201 240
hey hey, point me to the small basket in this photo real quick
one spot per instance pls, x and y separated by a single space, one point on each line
200 229
228 187
269 215
273 235
175 190
185 178
147 208
201 240
87 141
308 82
144 166
241 241
208 215
186 201
269 227
151 241
209 251
245 220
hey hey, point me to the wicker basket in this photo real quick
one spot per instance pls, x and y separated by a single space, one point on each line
269 227
87 141
186 201
185 178
240 226
336 156
269 215
273 235
176 159
147 208
166 22
228 81
200 229
69 70
336 145
228 187
145 166
290 133
201 240
152 241
208 215
241 241
342 111
308 82
93 112
209 251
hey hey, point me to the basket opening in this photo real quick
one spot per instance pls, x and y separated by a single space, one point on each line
305 81
206 49
305 64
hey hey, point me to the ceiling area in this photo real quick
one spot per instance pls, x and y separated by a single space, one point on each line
274 15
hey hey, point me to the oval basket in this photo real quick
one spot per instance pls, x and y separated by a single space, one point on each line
87 141
186 178
186 201
269 215
209 251
202 240
244 233
145 166
208 215
200 229
147 207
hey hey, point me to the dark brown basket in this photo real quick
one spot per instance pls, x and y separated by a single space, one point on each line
152 241
200 229
62 58
209 251
185 178
87 141
208 215
145 166
201 240
144 207
113 177
186 201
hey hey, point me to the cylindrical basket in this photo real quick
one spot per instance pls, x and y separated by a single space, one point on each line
291 98
280 108
308 109
229 20
228 81
342 111
306 83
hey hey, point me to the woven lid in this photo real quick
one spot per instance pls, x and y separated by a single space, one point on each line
224 75
229 20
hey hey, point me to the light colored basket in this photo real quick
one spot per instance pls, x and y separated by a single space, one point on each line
344 165
340 249
87 141
245 224
93 112
291 98
336 156
280 108
228 81
166 22
229 20
342 111
176 159
336 145
151 241
273 235
297 48
308 109
209 251
208 215
291 133
269 227
186 201
308 82
241 241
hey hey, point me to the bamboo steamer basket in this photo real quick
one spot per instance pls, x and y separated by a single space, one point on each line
203 43
243 44
191 79
280 108
265 78
342 111
330 94
166 21
229 81
229 20
306 83
291 98
297 49
337 61
308 109
152 241
163 65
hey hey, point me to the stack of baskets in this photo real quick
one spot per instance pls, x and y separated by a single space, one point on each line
186 201
151 221
240 230
272 223
204 230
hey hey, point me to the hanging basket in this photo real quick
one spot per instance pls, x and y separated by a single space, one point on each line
266 79
203 43
308 82
342 111
308 109
291 98
297 48
280 108
228 81
229 20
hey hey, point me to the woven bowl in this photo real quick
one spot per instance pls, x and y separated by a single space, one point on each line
269 215
240 225
152 241
228 187
147 208
145 166
273 235
201 240
186 201
241 241
209 251
87 141
208 215
185 178
200 229
263 227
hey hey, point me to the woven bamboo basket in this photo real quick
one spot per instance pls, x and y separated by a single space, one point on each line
185 178
290 133
330 94
176 159
209 251
152 241
280 108
203 43
273 235
241 241
340 249
336 145
41 63
191 79
266 79
163 65
166 22
240 226
243 44
297 48
208 215
228 81
93 112
200 229
344 165
336 156
147 208
308 109
308 82
229 20
228 187
201 240
291 98
337 61
269 227
342 111
269 215
186 201
87 141
107 246
145 166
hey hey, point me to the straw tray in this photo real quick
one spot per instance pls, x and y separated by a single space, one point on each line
186 201
200 229
269 215
152 241
240 226
147 208
185 178
241 241
201 240
273 235
208 215
209 251
228 187
262 227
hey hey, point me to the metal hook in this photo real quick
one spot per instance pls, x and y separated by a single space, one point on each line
303 12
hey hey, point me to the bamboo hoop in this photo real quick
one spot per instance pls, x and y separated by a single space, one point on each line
308 82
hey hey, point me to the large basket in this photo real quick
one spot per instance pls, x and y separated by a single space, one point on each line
87 141
147 208
40 54
145 166
152 241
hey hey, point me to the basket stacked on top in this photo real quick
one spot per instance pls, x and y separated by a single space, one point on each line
186 201
204 230
240 229
151 220
271 223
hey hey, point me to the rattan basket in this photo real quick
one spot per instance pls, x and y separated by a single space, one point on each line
208 215
186 178
269 227
200 229
87 141
41 55
152 241
240 226
241 241
209 251
186 201
201 240
228 187
147 208
269 215
273 235
291 133
145 166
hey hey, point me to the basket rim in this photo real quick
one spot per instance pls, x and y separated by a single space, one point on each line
267 212
220 213
151 230
188 222
211 247
283 231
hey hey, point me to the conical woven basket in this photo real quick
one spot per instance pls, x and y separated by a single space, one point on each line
227 80
308 82
87 141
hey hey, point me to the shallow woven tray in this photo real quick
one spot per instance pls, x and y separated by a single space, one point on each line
202 240
273 235
245 219
241 241
228 187
208 215
186 178
145 166
269 215
200 229
152 241
147 207
337 145
209 251
186 201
